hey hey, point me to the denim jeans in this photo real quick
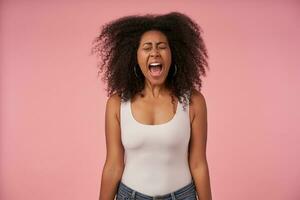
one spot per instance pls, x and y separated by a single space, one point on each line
187 192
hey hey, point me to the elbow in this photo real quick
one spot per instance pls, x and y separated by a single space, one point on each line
196 166
113 169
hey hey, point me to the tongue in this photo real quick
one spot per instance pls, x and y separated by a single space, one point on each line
155 71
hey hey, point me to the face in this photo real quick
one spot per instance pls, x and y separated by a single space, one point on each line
154 56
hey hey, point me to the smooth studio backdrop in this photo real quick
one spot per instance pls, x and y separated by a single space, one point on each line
52 142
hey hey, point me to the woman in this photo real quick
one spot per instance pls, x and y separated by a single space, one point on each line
155 119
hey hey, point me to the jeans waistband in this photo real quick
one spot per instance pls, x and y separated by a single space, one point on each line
129 193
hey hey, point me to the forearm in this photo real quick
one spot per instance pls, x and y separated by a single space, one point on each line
202 182
109 182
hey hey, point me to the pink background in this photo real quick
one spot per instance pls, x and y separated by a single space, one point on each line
52 103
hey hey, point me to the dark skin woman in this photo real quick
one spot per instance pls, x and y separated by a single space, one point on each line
128 47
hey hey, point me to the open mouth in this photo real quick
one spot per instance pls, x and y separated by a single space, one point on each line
155 69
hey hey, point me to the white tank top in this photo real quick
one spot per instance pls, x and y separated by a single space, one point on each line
156 156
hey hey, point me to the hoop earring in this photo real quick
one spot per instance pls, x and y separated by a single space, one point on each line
135 71
175 70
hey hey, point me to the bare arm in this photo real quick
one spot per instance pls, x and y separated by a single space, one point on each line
114 163
197 149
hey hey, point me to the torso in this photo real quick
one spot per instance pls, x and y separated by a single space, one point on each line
155 135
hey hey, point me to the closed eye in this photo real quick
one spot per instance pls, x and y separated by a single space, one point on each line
149 48
164 47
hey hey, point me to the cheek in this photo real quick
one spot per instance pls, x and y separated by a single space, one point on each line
141 55
142 61
167 56
139 58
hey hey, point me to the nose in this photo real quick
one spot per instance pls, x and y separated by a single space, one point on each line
154 52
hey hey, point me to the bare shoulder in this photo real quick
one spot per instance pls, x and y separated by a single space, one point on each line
198 104
115 97
197 97
113 105
114 100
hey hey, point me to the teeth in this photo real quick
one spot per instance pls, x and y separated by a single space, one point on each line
155 64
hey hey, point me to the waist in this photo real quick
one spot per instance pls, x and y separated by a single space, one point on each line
184 191
152 180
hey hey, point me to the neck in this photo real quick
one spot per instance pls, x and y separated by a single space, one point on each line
155 91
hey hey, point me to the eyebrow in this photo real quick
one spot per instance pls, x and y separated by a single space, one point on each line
156 43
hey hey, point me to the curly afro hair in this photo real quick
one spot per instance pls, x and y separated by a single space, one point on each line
118 42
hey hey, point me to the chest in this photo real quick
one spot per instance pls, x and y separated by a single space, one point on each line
154 126
153 114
